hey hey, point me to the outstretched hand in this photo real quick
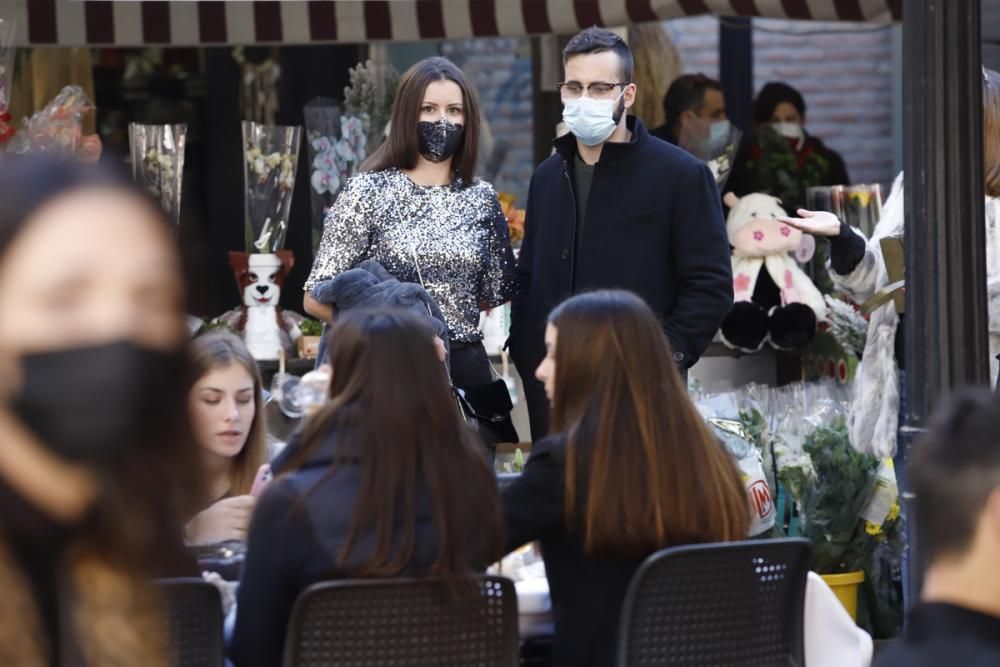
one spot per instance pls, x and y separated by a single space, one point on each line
817 223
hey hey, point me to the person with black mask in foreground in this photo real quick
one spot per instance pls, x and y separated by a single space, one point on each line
955 474
92 419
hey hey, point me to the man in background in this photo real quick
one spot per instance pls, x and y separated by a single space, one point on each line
694 106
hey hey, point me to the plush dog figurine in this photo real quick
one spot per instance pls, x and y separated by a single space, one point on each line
775 301
265 328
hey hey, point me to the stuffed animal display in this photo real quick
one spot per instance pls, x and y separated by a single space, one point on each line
266 328
774 301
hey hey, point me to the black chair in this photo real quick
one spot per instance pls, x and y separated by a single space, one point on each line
732 604
403 622
194 612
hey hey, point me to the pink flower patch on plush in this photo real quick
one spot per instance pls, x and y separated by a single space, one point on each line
758 236
742 282
789 281
785 231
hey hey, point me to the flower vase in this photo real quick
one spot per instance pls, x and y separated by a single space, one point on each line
270 160
157 153
337 146
845 586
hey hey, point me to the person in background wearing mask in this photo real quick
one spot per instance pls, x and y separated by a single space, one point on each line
694 106
783 159
417 209
616 208
93 423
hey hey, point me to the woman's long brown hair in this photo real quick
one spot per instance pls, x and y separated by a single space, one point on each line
218 350
402 147
643 470
390 395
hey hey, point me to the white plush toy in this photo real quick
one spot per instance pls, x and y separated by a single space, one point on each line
266 328
775 301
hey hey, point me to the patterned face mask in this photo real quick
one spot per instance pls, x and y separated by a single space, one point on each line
440 140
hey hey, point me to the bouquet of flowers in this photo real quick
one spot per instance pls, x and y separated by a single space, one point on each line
370 96
847 325
157 153
717 151
847 500
55 129
864 207
779 170
515 217
270 159
337 146
7 27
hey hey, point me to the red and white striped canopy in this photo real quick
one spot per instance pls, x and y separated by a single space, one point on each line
217 22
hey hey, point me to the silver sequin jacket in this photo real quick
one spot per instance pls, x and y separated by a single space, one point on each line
458 235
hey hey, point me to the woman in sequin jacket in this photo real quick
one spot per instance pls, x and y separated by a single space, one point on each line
417 209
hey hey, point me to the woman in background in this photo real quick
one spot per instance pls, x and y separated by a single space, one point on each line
417 209
226 406
387 481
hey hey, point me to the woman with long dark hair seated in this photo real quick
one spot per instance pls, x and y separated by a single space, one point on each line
386 482
632 469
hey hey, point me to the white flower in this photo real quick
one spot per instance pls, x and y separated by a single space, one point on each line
260 167
273 160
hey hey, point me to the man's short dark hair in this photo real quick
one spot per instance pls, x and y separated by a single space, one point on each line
686 93
955 469
598 40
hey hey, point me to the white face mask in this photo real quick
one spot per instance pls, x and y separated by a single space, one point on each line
591 121
789 130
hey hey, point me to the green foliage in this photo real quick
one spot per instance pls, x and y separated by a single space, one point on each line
777 170
370 98
832 498
311 328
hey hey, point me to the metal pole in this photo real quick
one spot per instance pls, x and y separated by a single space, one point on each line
736 70
946 318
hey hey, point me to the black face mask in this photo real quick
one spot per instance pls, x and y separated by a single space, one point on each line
440 140
90 404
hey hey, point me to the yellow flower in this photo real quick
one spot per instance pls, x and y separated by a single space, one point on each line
863 198
893 512
873 529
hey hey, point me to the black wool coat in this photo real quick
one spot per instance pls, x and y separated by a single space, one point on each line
653 225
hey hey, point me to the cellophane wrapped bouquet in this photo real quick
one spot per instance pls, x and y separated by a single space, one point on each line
270 159
7 27
57 129
157 153
337 146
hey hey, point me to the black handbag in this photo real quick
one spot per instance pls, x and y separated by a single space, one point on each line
487 408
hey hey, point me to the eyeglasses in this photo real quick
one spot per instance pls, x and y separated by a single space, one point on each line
572 90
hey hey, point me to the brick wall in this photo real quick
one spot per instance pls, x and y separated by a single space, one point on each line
500 70
843 70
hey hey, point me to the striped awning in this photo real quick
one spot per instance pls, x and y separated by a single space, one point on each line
217 22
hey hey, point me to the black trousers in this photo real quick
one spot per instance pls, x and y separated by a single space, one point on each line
470 365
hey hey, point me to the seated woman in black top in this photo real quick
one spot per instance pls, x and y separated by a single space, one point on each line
631 470
387 481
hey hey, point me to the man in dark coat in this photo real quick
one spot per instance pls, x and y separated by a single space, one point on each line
955 474
617 208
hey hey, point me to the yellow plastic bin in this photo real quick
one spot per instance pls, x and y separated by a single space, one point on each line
845 586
